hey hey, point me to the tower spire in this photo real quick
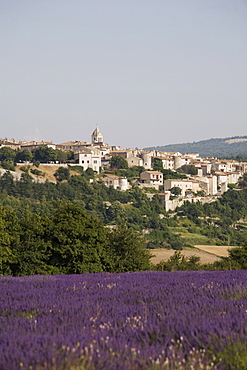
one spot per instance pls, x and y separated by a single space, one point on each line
97 137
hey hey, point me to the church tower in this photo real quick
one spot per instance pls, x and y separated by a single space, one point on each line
97 137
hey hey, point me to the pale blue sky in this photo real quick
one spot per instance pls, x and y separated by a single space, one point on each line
148 72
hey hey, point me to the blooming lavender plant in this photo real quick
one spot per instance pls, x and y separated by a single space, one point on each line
144 320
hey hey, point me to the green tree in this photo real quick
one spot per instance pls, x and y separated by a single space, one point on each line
118 162
44 154
176 190
8 165
25 185
157 164
7 154
90 173
62 173
239 255
8 184
79 243
243 182
31 247
128 252
117 213
179 262
70 155
8 221
169 174
192 170
61 156
23 156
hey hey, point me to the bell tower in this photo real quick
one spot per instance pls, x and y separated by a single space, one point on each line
97 137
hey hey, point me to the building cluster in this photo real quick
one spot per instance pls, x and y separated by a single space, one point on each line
210 176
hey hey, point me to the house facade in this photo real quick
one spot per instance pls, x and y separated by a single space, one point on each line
152 178
119 183
186 185
89 159
35 144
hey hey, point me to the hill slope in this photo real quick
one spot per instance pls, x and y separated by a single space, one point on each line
221 148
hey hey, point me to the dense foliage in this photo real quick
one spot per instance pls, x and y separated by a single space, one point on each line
44 226
221 219
151 320
131 209
118 162
65 240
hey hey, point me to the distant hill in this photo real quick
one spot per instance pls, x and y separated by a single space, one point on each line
221 148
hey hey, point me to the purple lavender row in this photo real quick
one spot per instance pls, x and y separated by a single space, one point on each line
146 320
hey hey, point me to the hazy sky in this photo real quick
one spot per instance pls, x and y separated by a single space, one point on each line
147 72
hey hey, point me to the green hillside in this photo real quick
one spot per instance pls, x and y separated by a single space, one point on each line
221 148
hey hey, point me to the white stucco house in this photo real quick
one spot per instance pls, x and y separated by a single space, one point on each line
152 178
89 159
119 183
35 144
184 184
208 184
134 161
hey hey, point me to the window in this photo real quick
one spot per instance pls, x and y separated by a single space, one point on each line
95 162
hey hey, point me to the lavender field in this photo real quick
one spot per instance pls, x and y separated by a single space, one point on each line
146 320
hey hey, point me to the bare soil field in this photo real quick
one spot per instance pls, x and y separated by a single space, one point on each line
165 254
218 250
207 253
47 169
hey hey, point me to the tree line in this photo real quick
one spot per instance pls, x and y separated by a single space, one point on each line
65 240
209 148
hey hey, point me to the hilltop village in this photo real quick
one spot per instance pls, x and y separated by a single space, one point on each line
197 179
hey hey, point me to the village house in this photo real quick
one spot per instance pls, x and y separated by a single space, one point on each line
35 144
132 156
74 146
167 162
225 165
227 177
9 144
119 183
134 161
152 179
171 204
205 168
89 159
181 160
125 153
207 183
241 167
147 158
186 185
